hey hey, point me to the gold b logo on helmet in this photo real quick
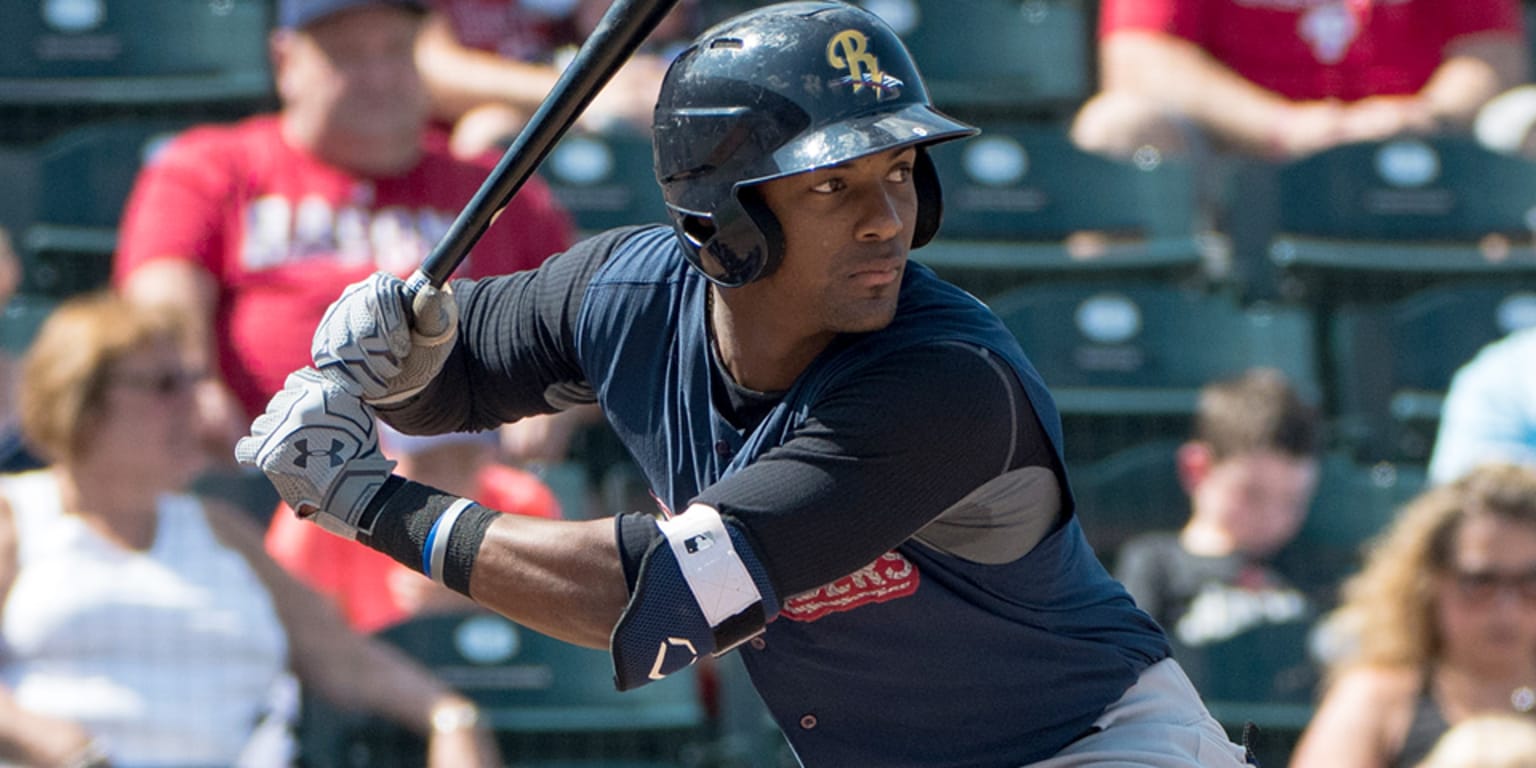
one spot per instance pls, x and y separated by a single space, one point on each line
849 49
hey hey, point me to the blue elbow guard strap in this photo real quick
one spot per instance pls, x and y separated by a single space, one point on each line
701 590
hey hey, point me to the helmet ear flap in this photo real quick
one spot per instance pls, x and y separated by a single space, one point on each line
930 198
741 242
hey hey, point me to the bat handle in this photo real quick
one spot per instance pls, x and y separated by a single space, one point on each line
431 324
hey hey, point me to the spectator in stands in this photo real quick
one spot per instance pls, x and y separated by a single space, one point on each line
489 63
142 626
1504 740
1490 410
1439 625
1284 79
456 462
1250 469
254 228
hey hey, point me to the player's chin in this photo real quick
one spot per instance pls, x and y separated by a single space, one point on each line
866 313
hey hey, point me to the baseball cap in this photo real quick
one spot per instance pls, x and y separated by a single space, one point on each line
293 14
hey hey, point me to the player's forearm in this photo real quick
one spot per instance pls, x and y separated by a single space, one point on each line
1180 77
562 578
559 577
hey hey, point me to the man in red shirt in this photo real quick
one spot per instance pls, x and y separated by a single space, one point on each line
255 227
1285 78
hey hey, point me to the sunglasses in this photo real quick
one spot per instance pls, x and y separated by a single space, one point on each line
1481 586
159 383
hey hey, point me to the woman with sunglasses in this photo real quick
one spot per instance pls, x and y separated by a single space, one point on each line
1440 625
140 626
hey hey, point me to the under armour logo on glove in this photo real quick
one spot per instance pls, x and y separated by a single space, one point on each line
305 454
330 485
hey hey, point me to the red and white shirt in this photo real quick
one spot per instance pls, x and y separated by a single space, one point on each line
1317 49
283 233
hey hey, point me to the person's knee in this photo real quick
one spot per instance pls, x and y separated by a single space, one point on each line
1119 124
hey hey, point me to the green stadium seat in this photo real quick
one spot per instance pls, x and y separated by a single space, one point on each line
82 180
1003 56
549 703
1355 501
1147 347
1129 492
1391 362
1023 203
605 179
1381 219
134 52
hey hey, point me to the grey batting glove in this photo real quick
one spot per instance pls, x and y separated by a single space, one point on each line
319 445
374 345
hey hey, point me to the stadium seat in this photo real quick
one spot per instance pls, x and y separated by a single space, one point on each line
1355 501
82 180
1131 491
1147 347
549 703
1391 362
1023 203
1023 57
134 52
605 179
1386 218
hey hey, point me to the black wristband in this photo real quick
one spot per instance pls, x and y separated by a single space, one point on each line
406 515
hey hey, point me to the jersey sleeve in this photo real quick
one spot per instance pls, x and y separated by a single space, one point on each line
515 353
880 458
176 206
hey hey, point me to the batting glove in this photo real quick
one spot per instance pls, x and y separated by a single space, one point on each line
319 445
374 345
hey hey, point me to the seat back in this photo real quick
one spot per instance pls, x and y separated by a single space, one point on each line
1355 501
134 52
84 176
1382 219
605 179
1008 56
546 700
1129 492
1023 203
1390 363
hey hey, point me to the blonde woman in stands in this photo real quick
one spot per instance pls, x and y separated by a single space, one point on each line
1439 626
143 627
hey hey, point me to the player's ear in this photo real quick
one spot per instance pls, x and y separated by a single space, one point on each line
1193 461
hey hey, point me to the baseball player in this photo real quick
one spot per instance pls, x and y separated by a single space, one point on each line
860 472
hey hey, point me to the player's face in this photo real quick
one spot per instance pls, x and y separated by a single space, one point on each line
847 231
1486 596
350 82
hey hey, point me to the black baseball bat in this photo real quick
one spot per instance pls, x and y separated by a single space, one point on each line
618 35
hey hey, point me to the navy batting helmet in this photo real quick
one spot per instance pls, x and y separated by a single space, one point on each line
777 91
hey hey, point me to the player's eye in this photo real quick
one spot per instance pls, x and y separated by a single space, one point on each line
900 174
829 186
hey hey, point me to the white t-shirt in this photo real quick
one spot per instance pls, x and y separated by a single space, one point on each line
168 656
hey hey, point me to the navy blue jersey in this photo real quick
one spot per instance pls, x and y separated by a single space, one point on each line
913 623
